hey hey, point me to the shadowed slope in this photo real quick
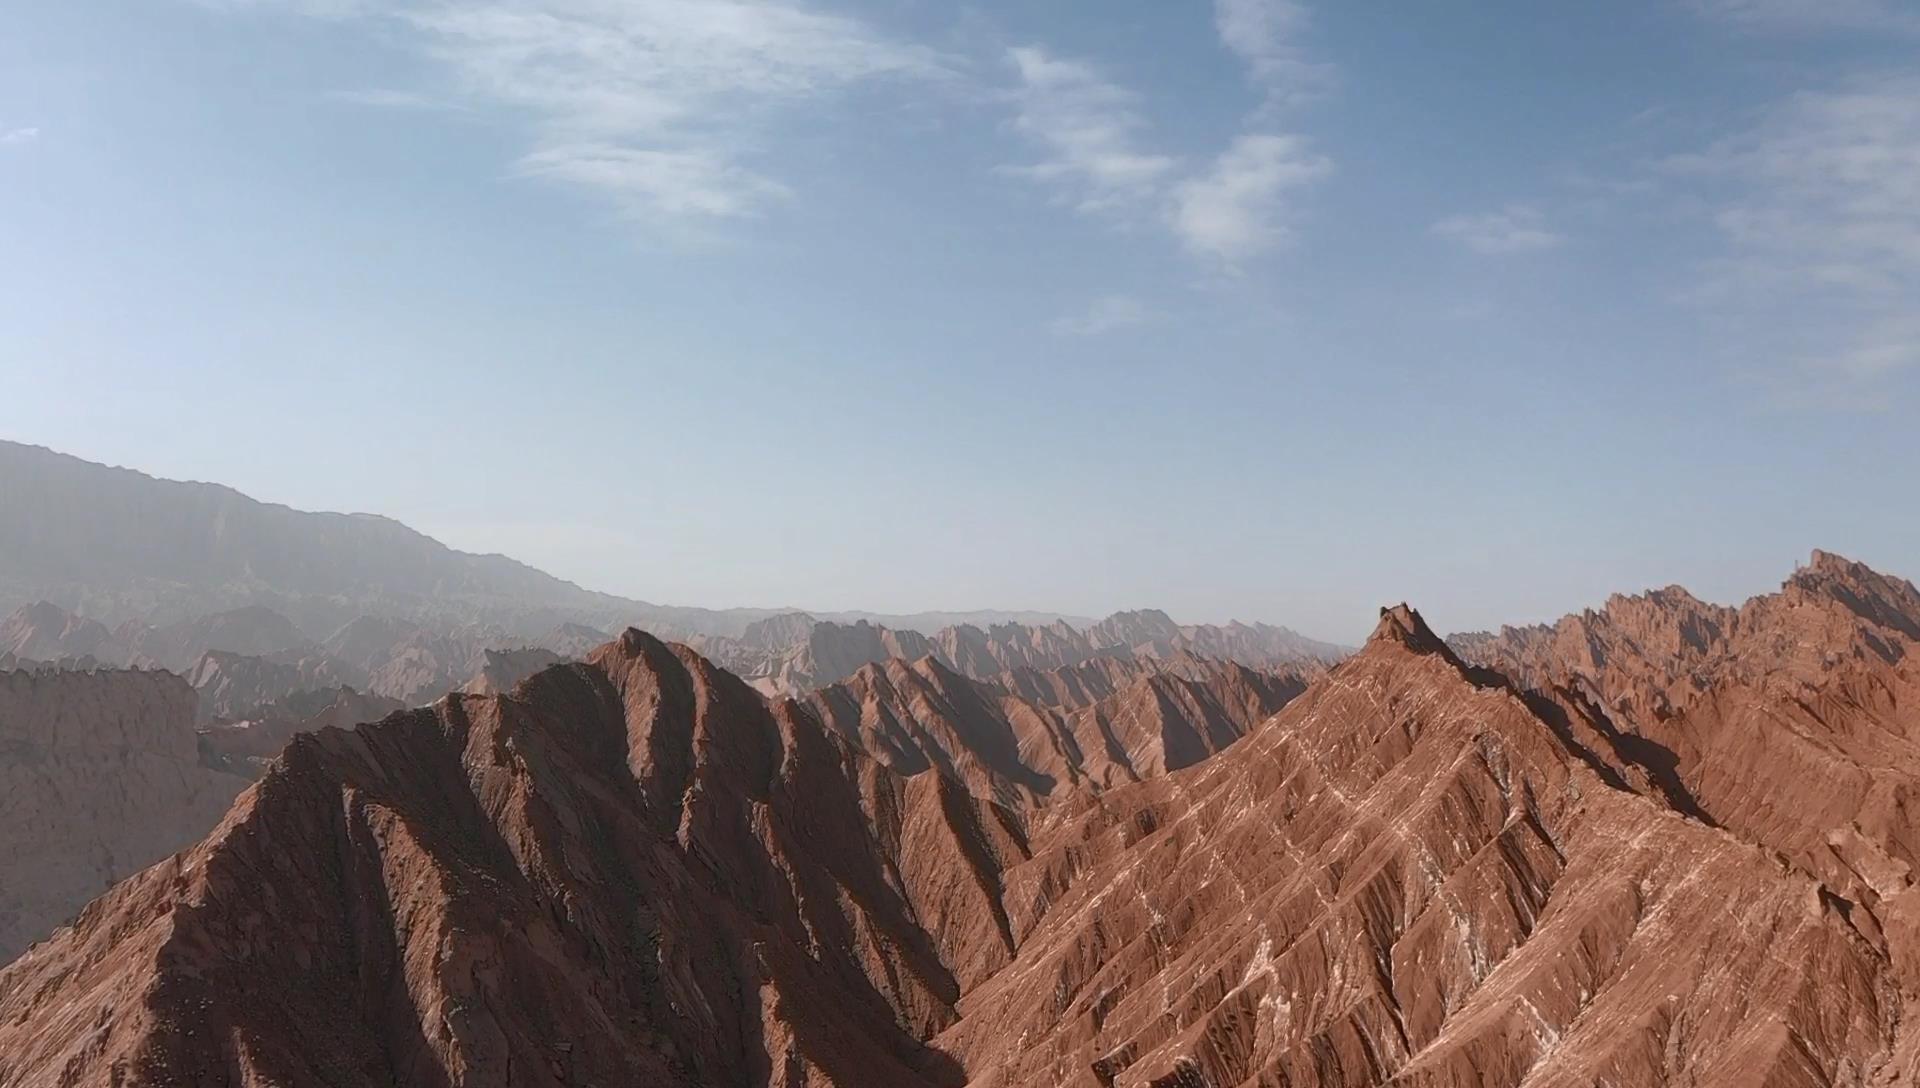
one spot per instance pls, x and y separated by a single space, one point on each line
629 871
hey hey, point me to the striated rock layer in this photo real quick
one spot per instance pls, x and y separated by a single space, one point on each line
632 871
1031 733
794 654
1419 872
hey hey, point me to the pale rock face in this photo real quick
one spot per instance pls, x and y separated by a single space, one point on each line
99 778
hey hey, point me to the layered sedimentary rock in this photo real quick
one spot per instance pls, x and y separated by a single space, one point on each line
1027 735
1416 875
246 744
99 777
636 870
632 871
795 654
233 685
1792 721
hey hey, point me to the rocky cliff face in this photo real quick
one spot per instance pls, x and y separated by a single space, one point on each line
1792 722
632 872
99 777
636 870
245 745
233 685
1414 875
1028 735
795 654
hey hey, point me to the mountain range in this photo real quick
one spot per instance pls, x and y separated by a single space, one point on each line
1659 843
114 544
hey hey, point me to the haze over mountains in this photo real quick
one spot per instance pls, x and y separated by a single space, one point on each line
115 544
127 570
1679 851
473 839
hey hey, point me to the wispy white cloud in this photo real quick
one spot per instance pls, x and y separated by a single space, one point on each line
24 135
642 181
1088 128
1819 207
1517 228
1229 209
661 105
1239 206
1107 314
1265 34
1802 15
388 99
313 9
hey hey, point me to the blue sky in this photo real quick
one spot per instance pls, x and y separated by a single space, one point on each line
1264 309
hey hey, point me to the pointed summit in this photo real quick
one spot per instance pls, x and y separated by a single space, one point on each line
1403 625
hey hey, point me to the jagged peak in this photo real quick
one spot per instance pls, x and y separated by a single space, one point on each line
1401 624
633 644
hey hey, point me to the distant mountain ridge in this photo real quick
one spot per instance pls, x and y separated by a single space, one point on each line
796 653
1673 845
115 544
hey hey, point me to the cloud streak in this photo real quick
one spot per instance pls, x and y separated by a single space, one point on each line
1107 314
1264 35
1517 228
1093 132
24 135
1238 207
1088 128
1818 206
1803 15
660 106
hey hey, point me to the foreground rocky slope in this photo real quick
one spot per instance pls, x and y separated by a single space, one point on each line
100 777
634 870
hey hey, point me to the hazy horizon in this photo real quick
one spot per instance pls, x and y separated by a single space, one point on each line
836 610
1262 310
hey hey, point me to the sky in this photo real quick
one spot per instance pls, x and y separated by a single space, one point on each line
1259 309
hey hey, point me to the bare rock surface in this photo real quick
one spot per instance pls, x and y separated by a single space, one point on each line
794 654
1030 734
100 777
1665 846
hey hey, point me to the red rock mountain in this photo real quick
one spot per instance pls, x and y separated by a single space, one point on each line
1792 722
246 745
794 654
636 871
1030 734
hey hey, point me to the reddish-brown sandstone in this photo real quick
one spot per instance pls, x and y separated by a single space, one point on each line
1675 854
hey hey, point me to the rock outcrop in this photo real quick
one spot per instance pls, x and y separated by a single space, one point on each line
246 745
795 654
636 870
632 871
100 777
1027 735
